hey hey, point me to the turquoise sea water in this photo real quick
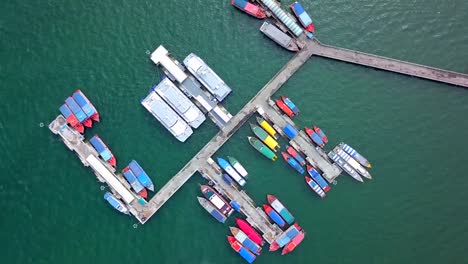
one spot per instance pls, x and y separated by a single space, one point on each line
412 130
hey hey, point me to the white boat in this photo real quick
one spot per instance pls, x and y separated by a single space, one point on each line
238 166
352 162
116 203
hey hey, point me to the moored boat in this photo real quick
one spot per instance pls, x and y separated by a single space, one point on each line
85 105
291 151
267 127
237 246
292 162
262 148
290 104
78 112
71 118
263 136
81 98
321 134
315 187
353 153
302 16
245 240
293 243
230 170
318 178
281 105
212 210
249 8
249 231
141 175
345 166
103 150
238 166
216 199
279 36
280 208
274 215
315 137
116 203
286 237
136 185
353 163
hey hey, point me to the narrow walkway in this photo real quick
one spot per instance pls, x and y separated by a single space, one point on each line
389 64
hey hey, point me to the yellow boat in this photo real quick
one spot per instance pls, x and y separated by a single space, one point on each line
263 136
268 128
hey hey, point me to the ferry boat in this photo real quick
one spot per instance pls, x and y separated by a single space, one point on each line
293 243
274 215
315 137
167 116
86 105
353 153
263 136
136 185
240 236
353 163
279 36
286 237
230 170
281 105
249 231
71 118
262 148
238 166
291 151
267 127
216 199
280 208
180 103
315 187
141 175
321 134
245 253
292 162
212 210
318 178
103 150
290 104
116 203
302 16
249 8
345 166
78 112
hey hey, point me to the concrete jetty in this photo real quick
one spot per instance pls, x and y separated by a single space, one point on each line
389 64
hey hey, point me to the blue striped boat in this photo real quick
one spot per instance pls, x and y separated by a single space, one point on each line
353 153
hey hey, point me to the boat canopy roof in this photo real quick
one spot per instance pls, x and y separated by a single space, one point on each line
160 56
113 182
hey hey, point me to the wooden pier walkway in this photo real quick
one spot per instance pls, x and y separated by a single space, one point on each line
389 64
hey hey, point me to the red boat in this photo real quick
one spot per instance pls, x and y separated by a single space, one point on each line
95 116
249 8
314 137
71 118
321 134
288 233
249 231
294 243
284 108
295 155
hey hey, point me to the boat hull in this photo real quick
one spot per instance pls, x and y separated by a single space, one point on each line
274 215
293 163
249 231
249 8
280 208
216 200
262 148
291 151
315 187
267 127
283 107
318 178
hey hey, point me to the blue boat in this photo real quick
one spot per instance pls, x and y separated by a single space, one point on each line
291 161
212 210
318 178
136 185
103 151
85 106
241 250
302 16
116 203
76 109
274 215
230 170
290 104
315 137
141 175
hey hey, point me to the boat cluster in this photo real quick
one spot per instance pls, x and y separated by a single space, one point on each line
79 111
279 34
245 239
